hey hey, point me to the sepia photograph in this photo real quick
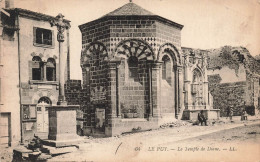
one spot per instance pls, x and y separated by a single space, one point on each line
130 80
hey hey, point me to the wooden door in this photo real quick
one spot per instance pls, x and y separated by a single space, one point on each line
5 129
42 117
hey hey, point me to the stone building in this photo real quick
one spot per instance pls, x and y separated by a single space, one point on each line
233 76
135 75
29 77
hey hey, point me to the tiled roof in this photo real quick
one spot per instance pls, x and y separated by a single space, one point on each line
32 14
129 9
132 10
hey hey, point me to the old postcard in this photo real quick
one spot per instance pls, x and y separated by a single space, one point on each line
130 80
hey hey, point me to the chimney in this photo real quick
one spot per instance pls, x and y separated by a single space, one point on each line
9 3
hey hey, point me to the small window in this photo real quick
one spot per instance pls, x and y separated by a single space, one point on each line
36 68
39 109
43 36
133 66
51 70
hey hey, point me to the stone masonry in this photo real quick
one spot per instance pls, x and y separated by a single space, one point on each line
133 73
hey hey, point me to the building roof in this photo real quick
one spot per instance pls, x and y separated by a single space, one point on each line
133 10
129 9
32 14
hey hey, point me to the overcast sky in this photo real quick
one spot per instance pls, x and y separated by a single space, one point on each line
207 23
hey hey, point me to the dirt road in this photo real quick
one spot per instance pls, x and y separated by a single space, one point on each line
220 142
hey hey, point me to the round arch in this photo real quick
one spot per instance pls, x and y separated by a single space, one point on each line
48 94
93 48
172 50
135 47
45 100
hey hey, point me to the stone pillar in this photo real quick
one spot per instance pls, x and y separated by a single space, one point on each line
86 88
150 90
62 74
113 93
61 26
113 98
206 83
156 89
180 90
176 92
187 84
62 118
44 71
206 94
118 91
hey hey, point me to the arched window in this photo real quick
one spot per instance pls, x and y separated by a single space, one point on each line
166 69
133 67
51 69
44 100
37 68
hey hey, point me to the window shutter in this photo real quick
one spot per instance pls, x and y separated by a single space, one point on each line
57 73
53 39
30 70
34 35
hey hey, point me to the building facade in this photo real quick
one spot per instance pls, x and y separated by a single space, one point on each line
135 75
29 77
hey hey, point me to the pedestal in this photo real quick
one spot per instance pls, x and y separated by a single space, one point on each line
62 126
210 114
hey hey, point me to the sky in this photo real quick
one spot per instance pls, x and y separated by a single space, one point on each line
207 23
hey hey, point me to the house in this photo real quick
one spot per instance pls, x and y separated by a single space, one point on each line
29 77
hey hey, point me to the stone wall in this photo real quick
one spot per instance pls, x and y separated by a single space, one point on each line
235 71
227 94
134 92
167 98
73 92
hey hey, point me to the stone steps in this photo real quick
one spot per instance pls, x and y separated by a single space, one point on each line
46 152
53 151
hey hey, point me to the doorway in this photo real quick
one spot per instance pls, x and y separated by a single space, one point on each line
42 115
5 129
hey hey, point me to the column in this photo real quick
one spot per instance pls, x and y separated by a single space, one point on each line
180 90
44 71
187 86
156 89
112 89
176 92
61 26
150 91
118 110
206 84
61 72
86 88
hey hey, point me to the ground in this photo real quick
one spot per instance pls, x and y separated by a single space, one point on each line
222 141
